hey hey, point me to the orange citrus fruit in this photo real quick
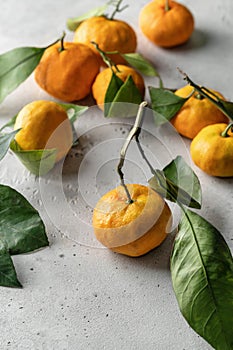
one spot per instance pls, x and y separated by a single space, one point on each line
109 34
166 27
44 124
67 74
196 113
131 229
101 83
212 152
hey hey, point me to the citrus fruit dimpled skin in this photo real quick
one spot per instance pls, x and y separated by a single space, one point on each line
132 229
103 79
196 113
212 152
110 35
67 75
166 28
44 124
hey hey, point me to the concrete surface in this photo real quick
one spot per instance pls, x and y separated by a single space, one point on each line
78 295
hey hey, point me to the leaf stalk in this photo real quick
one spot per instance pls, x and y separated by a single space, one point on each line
228 128
118 9
135 131
207 93
167 7
62 48
105 58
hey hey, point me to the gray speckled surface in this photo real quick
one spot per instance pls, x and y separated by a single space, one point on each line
82 296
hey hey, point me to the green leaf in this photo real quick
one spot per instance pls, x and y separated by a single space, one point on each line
15 66
113 88
74 22
11 123
165 104
126 101
202 277
228 106
184 177
38 162
141 64
178 183
21 227
73 111
8 277
5 141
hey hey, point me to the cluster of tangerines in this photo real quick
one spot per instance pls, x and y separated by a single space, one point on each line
70 71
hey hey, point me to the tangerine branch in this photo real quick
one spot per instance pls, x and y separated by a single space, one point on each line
134 132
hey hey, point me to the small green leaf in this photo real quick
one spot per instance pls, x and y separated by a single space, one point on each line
74 22
202 277
126 101
113 88
178 183
8 277
15 66
165 104
73 111
21 227
228 106
11 123
141 64
38 162
5 141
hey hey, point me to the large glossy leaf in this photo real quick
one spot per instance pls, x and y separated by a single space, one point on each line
178 183
202 277
21 228
126 101
8 277
74 22
15 66
38 162
5 141
165 104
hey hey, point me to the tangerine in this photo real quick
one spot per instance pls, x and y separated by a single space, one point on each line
67 73
132 229
109 34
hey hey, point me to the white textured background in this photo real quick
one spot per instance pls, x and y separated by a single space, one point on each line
80 296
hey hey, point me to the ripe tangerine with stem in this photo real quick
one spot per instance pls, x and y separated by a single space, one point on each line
166 23
110 34
197 112
67 71
135 228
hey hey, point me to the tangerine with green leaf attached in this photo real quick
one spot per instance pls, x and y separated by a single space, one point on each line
44 124
196 113
135 228
67 71
166 23
103 79
212 150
